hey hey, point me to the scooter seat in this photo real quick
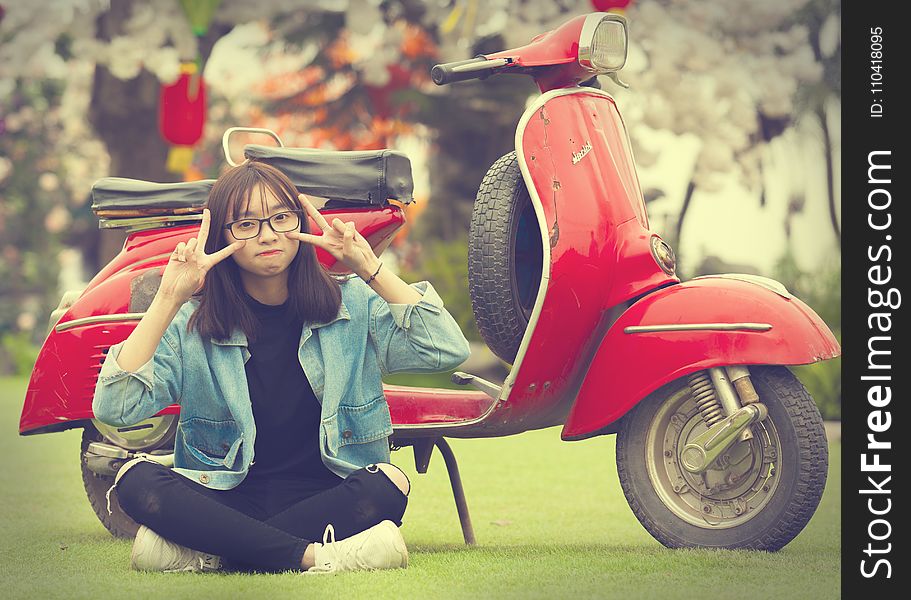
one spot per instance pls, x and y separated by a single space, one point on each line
120 196
369 176
361 177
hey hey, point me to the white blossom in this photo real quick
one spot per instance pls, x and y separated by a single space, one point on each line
48 182
830 36
164 63
26 321
362 16
57 219
6 167
709 67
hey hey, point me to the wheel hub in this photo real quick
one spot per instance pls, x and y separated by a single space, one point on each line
732 489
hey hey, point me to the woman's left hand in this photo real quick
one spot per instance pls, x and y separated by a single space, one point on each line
340 239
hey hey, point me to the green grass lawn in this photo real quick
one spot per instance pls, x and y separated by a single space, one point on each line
550 519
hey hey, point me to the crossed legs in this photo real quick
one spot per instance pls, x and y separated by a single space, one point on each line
231 525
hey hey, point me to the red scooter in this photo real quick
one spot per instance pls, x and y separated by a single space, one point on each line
719 444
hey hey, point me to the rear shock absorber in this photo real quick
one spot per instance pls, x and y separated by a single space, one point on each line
704 395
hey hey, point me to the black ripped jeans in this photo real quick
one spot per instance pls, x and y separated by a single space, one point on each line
257 526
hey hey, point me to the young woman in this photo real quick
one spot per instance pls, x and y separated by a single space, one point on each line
271 357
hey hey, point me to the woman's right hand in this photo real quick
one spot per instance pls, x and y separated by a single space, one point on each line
187 266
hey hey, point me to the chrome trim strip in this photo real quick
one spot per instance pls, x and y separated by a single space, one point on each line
117 318
767 283
586 37
530 112
698 327
145 222
133 224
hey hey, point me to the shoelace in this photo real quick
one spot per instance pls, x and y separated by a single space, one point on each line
331 546
209 562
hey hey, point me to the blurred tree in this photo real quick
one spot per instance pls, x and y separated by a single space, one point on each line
369 83
823 20
726 72
131 47
32 212
124 110
821 290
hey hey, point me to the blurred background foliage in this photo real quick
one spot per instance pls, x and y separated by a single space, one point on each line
446 265
820 289
724 96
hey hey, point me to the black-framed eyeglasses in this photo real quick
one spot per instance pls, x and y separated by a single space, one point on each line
246 229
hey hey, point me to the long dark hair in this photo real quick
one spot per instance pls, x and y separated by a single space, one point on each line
313 294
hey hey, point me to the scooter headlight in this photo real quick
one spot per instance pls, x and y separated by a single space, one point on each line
603 43
664 255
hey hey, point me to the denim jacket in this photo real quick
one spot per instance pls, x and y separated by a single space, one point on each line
343 360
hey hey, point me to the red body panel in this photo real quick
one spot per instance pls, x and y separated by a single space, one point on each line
413 406
63 380
63 384
599 249
558 49
629 366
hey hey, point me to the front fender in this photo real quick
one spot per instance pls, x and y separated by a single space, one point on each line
681 331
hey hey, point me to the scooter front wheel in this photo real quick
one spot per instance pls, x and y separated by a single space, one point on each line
759 494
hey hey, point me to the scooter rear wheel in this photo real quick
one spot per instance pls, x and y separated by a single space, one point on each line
117 522
504 258
96 487
758 495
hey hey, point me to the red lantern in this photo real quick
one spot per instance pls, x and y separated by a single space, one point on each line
609 5
182 107
381 97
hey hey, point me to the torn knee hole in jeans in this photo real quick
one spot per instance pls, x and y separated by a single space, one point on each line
374 468
120 473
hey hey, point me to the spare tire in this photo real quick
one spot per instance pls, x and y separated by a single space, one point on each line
505 257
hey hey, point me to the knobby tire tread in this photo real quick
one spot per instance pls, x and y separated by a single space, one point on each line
496 311
810 481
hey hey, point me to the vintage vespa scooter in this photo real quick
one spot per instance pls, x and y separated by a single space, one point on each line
719 445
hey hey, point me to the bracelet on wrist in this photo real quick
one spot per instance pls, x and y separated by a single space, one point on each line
372 277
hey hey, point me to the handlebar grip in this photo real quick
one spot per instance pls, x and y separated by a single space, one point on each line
443 74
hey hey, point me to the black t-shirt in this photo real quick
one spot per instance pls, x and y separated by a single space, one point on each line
285 409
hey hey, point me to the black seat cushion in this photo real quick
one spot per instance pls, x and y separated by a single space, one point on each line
364 177
370 176
122 194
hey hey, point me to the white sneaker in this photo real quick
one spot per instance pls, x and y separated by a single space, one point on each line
380 547
151 552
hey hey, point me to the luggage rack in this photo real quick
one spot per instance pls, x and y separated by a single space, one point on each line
132 224
133 204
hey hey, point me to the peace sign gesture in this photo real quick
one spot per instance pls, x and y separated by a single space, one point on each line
339 239
187 266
